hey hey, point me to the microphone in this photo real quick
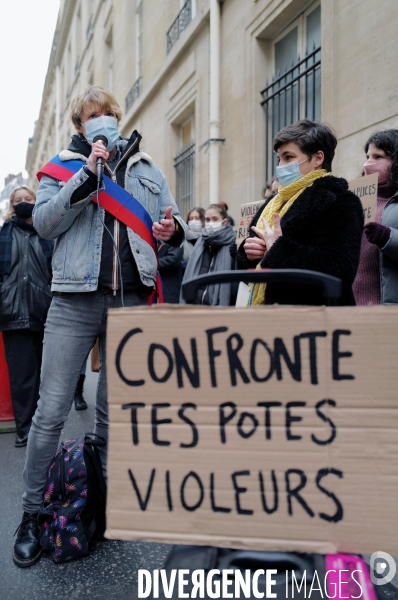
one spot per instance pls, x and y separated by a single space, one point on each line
100 161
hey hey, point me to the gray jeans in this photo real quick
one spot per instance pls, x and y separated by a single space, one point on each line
74 321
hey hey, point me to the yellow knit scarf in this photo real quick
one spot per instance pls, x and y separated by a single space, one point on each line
280 204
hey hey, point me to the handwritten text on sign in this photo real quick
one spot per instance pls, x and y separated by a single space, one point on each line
247 212
366 190
249 427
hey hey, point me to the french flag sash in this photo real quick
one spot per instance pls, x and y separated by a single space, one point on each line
116 200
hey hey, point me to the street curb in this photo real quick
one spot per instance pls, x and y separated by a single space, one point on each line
7 427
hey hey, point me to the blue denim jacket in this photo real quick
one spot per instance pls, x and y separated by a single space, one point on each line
78 228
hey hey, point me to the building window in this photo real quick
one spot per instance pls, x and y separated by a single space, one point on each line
111 67
295 89
184 164
133 94
138 38
77 44
70 67
193 7
109 46
184 17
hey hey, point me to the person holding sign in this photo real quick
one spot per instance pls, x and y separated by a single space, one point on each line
377 277
105 229
314 222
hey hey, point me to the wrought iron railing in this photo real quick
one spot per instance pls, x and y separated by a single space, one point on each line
133 94
183 19
294 95
90 26
184 163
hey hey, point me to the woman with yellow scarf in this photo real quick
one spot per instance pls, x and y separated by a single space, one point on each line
314 222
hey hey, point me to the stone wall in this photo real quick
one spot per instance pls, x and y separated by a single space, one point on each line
359 89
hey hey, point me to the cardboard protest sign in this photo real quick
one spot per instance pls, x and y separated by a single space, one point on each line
247 212
366 190
272 428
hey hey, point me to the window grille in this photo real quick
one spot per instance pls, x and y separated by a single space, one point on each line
294 95
182 20
133 94
184 164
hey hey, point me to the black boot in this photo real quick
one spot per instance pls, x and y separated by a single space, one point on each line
80 403
27 548
21 440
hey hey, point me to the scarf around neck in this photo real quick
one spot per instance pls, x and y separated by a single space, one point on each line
280 204
219 294
192 235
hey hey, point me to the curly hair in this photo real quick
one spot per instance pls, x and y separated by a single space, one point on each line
387 141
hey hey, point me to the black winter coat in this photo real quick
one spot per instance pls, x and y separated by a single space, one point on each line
170 269
322 231
25 294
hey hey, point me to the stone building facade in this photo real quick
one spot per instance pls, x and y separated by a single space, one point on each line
207 83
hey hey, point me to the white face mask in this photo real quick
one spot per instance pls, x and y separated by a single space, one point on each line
195 225
213 227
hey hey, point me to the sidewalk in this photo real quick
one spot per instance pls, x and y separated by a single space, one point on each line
108 573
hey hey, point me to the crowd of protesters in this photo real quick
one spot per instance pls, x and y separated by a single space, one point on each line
93 261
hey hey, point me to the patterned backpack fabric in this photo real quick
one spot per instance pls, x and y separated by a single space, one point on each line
73 508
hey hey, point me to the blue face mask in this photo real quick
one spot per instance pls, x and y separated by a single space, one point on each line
106 126
289 173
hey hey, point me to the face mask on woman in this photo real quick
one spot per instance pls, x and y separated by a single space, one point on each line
195 225
289 173
24 210
213 227
382 166
106 126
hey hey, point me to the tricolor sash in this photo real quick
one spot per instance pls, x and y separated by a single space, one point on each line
115 199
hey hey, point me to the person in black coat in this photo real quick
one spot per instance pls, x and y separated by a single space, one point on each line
316 222
25 296
170 268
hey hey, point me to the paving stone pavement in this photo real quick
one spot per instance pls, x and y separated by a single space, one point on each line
108 573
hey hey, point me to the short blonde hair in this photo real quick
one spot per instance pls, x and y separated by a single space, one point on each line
11 211
93 94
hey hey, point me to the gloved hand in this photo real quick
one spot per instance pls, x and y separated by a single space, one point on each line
377 234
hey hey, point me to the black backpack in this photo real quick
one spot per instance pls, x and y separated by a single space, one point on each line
72 513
